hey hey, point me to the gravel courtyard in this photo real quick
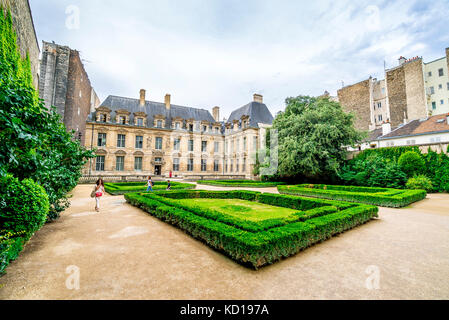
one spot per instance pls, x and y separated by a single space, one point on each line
123 253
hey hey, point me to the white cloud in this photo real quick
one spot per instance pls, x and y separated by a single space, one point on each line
208 53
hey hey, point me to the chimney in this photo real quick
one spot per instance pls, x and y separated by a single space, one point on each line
142 97
216 114
168 102
258 98
386 128
402 60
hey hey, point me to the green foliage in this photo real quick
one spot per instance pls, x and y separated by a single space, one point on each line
267 244
35 143
391 154
121 188
420 182
411 163
10 246
239 183
24 205
373 171
312 133
375 196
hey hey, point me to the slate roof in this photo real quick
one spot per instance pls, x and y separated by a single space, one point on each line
435 124
152 109
257 112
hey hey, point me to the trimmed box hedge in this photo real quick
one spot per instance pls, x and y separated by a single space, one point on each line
121 188
255 244
383 197
240 183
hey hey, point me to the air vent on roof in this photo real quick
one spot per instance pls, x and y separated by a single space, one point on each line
422 120
440 121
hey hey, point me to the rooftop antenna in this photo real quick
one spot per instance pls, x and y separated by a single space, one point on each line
342 84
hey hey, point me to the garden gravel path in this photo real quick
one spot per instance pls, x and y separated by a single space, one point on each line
123 253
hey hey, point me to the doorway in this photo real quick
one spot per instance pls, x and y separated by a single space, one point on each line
157 170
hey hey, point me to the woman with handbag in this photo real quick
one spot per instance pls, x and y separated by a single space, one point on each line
98 193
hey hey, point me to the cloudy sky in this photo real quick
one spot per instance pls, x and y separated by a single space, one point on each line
211 52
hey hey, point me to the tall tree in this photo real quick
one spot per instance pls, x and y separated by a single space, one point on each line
313 135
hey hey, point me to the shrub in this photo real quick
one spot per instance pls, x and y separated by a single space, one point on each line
420 182
251 247
24 205
10 246
375 196
240 183
411 163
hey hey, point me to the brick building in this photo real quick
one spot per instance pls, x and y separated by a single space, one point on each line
26 34
412 90
140 137
65 84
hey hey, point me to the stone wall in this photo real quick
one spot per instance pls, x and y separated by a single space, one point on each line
415 90
357 99
54 73
78 99
397 95
26 34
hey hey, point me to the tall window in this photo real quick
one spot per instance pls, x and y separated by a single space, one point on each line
255 144
140 122
139 142
102 139
237 166
158 143
204 128
232 165
216 165
244 165
440 72
226 166
99 165
432 90
244 144
238 145
121 138
176 164
191 145
447 86
190 165
103 118
203 146
191 127
138 163
177 144
203 165
217 147
120 163
434 105
159 123
379 105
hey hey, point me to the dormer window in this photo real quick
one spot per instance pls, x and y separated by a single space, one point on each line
159 124
122 120
140 122
204 128
217 130
103 118
177 125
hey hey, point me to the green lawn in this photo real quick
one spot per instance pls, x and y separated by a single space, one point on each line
130 187
252 211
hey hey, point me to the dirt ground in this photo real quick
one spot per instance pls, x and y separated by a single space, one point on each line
123 253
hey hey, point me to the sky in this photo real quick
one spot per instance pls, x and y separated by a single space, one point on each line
208 53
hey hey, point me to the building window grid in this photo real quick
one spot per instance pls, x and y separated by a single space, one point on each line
203 165
121 141
99 164
216 165
139 142
176 164
177 144
191 145
102 139
203 146
190 165
120 163
158 145
138 163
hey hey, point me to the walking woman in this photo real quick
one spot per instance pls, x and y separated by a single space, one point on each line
150 184
99 191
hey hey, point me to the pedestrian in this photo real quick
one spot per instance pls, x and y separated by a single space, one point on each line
150 184
99 191
168 185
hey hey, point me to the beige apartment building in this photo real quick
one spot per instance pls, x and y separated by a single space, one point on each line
140 137
437 85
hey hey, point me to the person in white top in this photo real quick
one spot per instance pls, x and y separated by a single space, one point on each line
150 184
99 191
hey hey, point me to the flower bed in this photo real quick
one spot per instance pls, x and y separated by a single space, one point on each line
383 197
130 187
250 230
240 183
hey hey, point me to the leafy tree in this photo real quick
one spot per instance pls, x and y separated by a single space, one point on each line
313 134
35 143
412 163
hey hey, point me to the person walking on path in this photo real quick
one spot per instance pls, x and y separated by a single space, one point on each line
168 186
150 184
99 191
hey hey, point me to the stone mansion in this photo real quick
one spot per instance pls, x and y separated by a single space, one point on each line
140 137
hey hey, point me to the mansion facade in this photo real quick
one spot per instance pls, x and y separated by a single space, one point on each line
140 137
